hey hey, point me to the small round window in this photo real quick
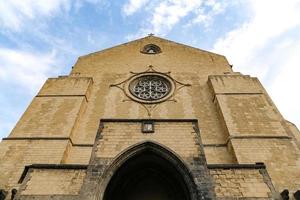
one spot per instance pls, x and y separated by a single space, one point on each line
151 49
150 87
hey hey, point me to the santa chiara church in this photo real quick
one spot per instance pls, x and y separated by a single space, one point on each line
151 119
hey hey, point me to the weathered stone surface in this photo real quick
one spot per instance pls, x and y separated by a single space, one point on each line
238 123
240 183
53 182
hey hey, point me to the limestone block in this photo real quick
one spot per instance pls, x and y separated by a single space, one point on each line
54 182
78 155
16 154
66 86
218 155
250 115
179 137
234 84
281 156
49 117
240 183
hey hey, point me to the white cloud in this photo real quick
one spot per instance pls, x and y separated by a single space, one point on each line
15 13
164 15
101 4
26 70
259 47
285 85
133 6
168 13
206 17
22 74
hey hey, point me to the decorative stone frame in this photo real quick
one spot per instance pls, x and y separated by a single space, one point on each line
156 49
147 123
134 98
150 105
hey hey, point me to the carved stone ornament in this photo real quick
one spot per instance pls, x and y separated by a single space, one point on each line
150 88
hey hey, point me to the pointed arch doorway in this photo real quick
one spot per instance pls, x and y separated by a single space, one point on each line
149 172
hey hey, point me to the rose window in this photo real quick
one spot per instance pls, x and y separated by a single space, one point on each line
150 87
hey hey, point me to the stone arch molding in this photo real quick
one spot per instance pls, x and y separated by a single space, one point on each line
153 148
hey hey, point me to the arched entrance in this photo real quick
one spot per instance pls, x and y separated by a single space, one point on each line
150 172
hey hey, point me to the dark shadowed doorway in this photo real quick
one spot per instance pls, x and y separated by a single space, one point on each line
147 176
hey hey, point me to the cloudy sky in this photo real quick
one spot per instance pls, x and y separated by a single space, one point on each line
43 38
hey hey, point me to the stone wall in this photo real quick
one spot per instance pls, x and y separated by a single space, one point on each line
180 137
178 141
53 182
237 120
16 154
242 183
43 135
281 157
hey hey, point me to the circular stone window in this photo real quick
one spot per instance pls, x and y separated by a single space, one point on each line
150 88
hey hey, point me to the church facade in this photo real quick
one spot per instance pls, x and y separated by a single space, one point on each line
151 120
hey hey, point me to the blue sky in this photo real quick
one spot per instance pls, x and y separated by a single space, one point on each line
43 38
